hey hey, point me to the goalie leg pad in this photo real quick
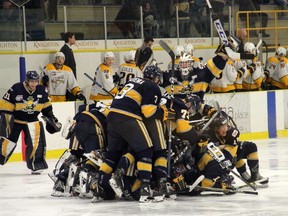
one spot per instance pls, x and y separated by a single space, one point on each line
6 124
6 149
35 146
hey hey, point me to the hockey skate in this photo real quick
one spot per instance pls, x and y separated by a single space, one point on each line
37 172
257 179
116 183
98 192
58 189
146 195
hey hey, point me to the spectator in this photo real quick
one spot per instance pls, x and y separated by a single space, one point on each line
254 5
184 17
8 11
283 5
126 18
150 24
242 36
52 10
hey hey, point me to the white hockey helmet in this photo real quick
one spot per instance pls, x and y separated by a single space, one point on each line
281 51
130 56
178 51
59 54
249 47
109 55
189 49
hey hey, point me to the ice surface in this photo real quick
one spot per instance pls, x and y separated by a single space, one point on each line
23 194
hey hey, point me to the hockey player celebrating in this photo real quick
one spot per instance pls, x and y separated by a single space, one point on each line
59 78
138 99
20 107
104 76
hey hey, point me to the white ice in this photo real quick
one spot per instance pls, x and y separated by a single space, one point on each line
23 194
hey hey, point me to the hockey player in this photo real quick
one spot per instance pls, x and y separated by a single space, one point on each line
194 62
200 77
279 78
178 51
138 99
104 76
254 79
59 78
127 70
90 131
226 138
272 63
20 107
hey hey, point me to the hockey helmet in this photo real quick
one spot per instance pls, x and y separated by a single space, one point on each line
281 51
193 102
32 75
130 56
52 126
220 120
189 49
109 55
249 47
152 71
178 51
59 54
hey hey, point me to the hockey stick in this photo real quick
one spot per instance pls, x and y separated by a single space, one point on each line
216 113
100 86
172 56
223 37
205 126
218 156
195 184
199 188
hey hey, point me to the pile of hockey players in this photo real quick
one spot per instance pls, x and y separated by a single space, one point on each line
191 146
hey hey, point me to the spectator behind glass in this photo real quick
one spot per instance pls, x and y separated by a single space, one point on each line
52 10
150 24
283 6
126 18
253 5
8 11
184 17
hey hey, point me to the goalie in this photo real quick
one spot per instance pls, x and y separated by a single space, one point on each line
19 108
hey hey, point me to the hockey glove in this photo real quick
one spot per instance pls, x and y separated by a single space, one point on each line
116 78
81 97
45 80
241 72
251 68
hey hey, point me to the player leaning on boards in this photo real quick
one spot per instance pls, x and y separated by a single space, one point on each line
58 77
20 107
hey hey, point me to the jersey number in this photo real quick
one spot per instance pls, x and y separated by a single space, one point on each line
124 91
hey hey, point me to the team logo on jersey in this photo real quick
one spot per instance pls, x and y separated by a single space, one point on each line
19 98
56 81
30 105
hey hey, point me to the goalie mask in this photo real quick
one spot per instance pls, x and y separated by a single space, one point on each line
52 126
233 43
184 65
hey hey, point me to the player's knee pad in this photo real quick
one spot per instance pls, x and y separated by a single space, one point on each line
6 124
160 164
35 146
6 149
144 163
